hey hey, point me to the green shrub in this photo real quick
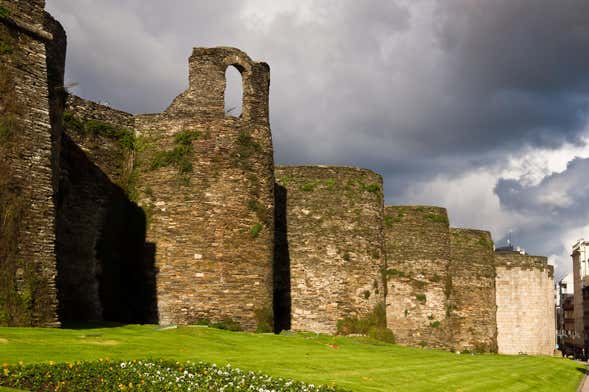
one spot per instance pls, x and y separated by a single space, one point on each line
366 294
373 325
421 298
434 324
265 320
382 334
226 324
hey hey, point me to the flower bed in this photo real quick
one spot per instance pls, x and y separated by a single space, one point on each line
149 375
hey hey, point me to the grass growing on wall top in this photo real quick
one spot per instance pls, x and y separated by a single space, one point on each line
359 364
125 137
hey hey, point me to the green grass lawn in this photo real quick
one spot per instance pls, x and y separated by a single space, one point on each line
359 364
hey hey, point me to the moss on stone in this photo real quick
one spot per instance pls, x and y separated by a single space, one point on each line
421 298
8 128
247 146
309 186
438 218
264 320
5 12
95 128
8 45
372 188
256 229
180 156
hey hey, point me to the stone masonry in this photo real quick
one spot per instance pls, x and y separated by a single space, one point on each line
105 270
472 299
180 217
334 221
525 308
28 160
207 183
417 241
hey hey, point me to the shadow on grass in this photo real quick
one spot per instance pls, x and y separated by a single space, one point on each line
582 370
90 324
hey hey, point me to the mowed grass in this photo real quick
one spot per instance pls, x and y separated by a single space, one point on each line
359 364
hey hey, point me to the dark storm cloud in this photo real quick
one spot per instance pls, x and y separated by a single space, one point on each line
411 89
357 81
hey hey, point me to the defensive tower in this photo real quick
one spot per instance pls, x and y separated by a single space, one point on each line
206 182
334 246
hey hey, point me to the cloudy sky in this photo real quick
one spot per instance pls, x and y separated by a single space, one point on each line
478 106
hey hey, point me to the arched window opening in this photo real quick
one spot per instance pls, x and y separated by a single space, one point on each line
233 92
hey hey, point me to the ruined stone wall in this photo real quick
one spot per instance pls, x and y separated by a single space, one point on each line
417 242
334 218
206 184
104 134
27 160
104 270
473 307
525 304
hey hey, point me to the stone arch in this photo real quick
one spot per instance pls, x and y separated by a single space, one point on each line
205 96
244 68
234 91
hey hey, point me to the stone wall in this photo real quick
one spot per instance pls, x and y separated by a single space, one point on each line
525 304
473 307
27 159
206 183
105 270
334 221
417 242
